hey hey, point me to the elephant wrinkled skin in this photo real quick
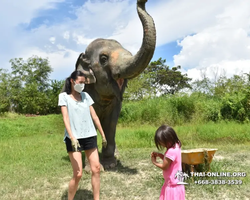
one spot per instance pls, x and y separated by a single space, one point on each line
108 66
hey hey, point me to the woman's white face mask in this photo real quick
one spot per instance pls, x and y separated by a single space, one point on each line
79 87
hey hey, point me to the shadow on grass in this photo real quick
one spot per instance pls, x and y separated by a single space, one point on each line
81 194
120 168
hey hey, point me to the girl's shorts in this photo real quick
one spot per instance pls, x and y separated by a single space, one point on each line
85 144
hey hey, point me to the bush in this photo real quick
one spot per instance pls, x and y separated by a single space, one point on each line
234 107
181 109
207 108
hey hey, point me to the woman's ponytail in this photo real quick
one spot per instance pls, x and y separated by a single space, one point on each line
67 86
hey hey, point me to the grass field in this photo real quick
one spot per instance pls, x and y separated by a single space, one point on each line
34 164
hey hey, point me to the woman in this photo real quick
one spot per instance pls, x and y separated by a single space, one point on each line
80 133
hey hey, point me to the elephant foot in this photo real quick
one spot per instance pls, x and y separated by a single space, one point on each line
109 163
117 154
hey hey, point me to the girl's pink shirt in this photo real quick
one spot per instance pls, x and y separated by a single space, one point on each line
173 154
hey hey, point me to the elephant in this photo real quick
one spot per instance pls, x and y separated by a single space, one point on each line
107 67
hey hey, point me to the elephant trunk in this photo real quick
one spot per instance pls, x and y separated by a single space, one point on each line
137 63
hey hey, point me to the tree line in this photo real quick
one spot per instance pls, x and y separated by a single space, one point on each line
219 99
27 89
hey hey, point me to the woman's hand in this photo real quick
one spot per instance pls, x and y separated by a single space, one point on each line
75 144
104 142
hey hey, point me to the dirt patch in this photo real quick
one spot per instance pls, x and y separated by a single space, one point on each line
218 157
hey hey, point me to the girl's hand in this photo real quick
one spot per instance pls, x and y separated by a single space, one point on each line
162 165
160 155
156 154
153 157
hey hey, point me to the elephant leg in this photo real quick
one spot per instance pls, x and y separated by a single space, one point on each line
108 158
109 123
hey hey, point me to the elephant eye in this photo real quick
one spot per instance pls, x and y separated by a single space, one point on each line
103 59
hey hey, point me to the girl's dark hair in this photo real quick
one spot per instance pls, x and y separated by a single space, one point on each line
74 75
164 135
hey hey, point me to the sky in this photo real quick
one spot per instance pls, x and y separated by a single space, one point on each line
206 38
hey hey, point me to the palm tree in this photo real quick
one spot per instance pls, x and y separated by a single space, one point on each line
179 175
185 176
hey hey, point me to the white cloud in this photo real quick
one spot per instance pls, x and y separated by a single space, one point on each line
52 40
16 12
223 46
175 19
66 35
62 61
223 68
81 39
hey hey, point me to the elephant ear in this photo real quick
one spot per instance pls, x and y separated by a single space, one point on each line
82 64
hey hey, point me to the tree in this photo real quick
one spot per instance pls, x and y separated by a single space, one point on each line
166 80
29 84
52 95
27 88
203 86
232 93
4 92
34 70
138 88
157 79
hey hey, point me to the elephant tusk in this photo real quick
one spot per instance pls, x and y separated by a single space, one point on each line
120 83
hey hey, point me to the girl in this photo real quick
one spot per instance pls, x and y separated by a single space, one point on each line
165 137
80 133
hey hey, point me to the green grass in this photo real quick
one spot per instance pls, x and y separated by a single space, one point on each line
35 165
